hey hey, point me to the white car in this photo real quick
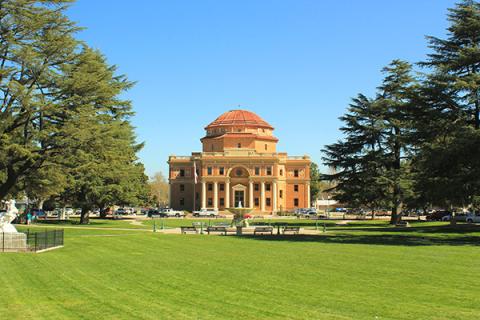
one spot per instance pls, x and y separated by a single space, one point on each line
205 213
169 212
473 218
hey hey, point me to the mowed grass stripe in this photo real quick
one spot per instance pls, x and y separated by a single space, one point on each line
153 276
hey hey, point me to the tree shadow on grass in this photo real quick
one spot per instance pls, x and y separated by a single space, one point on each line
373 239
459 235
463 228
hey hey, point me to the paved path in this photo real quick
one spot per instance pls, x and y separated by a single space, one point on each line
82 227
247 231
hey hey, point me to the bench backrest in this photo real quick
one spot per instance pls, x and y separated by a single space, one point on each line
263 228
216 228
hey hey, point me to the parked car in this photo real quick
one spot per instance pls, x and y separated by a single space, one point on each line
439 215
306 212
153 213
169 212
38 213
473 217
122 211
461 217
205 213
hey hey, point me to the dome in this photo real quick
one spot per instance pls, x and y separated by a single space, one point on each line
242 118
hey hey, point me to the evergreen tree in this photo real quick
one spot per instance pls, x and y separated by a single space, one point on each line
60 112
448 126
101 162
36 40
315 181
370 161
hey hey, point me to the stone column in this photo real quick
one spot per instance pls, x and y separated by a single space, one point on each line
262 197
250 194
227 194
274 196
215 195
309 201
204 195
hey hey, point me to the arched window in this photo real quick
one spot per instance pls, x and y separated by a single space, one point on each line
266 147
239 145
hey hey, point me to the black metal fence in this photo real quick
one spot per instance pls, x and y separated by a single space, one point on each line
41 240
31 241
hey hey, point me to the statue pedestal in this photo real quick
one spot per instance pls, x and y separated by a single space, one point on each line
13 242
239 231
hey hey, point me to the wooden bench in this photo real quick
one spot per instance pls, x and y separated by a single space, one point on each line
263 229
217 229
188 229
294 230
402 224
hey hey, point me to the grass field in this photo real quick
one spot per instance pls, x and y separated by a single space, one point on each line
361 271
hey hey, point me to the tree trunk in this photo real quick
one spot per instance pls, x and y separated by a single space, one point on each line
9 183
103 212
373 214
84 217
397 207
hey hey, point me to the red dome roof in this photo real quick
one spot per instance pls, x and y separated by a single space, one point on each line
239 118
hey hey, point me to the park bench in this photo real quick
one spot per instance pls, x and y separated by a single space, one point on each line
188 229
293 230
263 229
217 229
222 224
402 224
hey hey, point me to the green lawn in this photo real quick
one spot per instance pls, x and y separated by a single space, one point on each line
360 271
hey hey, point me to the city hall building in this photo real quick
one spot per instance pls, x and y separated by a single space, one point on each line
239 165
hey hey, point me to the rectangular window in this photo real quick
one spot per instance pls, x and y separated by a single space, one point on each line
222 202
269 171
182 172
267 186
182 201
257 202
295 173
210 202
295 187
281 194
182 187
210 187
267 202
256 186
222 187
257 171
281 172
222 171
209 171
295 202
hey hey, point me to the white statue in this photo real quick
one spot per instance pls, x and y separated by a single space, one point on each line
7 218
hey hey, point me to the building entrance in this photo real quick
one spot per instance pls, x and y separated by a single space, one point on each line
239 198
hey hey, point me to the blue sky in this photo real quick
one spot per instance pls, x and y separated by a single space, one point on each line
295 63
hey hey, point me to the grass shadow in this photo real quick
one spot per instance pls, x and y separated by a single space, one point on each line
372 239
